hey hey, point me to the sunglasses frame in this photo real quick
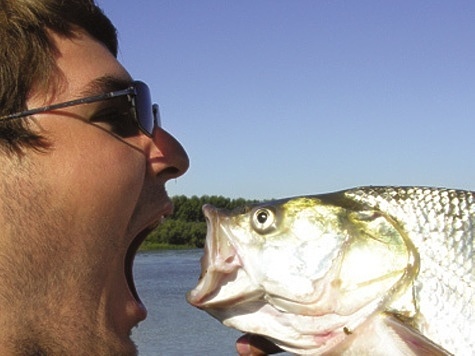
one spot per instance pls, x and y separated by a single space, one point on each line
137 90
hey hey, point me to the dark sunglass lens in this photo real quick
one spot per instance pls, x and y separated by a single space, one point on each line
143 105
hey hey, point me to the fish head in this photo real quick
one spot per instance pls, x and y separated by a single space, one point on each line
299 271
263 245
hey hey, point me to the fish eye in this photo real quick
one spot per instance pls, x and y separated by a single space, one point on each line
263 220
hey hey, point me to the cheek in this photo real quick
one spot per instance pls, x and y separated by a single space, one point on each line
104 182
114 185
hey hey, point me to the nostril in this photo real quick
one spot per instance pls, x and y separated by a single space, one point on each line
172 171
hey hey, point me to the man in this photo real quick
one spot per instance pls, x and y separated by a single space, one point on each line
83 168
80 185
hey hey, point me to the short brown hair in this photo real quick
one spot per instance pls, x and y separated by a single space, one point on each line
27 54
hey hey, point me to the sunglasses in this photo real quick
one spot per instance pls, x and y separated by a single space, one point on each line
145 115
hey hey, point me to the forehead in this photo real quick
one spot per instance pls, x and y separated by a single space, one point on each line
82 61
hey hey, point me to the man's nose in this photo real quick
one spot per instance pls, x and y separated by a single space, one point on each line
167 157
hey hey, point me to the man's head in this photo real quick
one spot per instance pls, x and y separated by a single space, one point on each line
27 56
74 210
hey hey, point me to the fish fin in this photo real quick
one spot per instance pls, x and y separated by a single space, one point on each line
414 340
386 335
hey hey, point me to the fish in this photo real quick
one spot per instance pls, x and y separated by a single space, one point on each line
376 270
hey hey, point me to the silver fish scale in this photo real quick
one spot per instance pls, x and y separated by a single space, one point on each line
440 223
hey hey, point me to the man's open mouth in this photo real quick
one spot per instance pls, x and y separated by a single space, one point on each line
129 261
134 247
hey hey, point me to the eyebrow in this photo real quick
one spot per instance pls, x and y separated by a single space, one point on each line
104 85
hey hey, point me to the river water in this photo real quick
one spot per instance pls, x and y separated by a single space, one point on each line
173 327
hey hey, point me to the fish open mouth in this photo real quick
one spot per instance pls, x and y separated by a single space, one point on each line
220 265
214 254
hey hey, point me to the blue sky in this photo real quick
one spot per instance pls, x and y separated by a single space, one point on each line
277 98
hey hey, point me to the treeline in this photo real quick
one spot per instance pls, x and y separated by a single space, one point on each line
187 226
